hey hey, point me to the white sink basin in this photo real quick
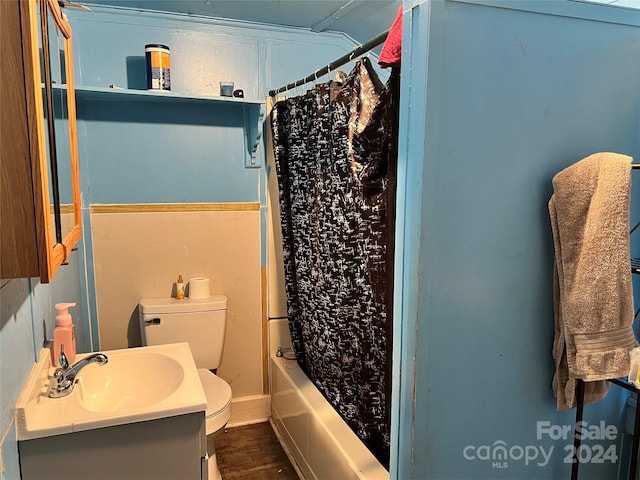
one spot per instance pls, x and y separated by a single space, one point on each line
137 384
128 384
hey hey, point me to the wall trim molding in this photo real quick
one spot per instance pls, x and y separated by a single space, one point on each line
249 410
174 207
265 333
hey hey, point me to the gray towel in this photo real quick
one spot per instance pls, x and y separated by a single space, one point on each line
593 296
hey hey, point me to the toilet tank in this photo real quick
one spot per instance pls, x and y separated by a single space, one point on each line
200 323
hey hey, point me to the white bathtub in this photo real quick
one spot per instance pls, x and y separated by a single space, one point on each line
314 436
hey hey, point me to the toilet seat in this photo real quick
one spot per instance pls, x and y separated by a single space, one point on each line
218 393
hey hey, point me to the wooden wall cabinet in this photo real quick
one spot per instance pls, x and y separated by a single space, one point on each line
40 214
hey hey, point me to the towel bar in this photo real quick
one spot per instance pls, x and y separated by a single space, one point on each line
633 464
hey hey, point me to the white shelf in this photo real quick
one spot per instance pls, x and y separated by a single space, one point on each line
157 96
253 111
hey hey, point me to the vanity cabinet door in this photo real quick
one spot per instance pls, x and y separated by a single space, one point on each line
37 232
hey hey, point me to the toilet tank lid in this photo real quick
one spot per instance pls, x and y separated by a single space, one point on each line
172 305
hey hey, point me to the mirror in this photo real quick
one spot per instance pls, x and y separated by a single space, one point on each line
57 47
59 108
45 75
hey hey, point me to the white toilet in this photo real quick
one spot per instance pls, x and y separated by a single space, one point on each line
202 324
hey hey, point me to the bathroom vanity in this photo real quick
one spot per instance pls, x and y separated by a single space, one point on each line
139 416
167 448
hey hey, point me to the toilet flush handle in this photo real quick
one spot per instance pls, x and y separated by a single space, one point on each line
152 321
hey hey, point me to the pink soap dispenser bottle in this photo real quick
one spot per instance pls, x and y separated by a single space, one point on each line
64 334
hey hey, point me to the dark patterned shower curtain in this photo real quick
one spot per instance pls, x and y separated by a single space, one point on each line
335 162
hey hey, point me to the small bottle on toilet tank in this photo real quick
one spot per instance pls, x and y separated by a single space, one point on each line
180 288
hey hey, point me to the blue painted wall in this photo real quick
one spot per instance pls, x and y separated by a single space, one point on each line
496 100
136 151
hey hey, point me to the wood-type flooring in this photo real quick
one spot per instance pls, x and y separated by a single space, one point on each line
252 452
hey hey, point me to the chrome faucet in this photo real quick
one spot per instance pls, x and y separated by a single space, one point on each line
64 378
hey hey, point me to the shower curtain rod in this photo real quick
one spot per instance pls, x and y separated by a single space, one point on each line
365 47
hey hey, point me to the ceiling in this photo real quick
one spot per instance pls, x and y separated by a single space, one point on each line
360 19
